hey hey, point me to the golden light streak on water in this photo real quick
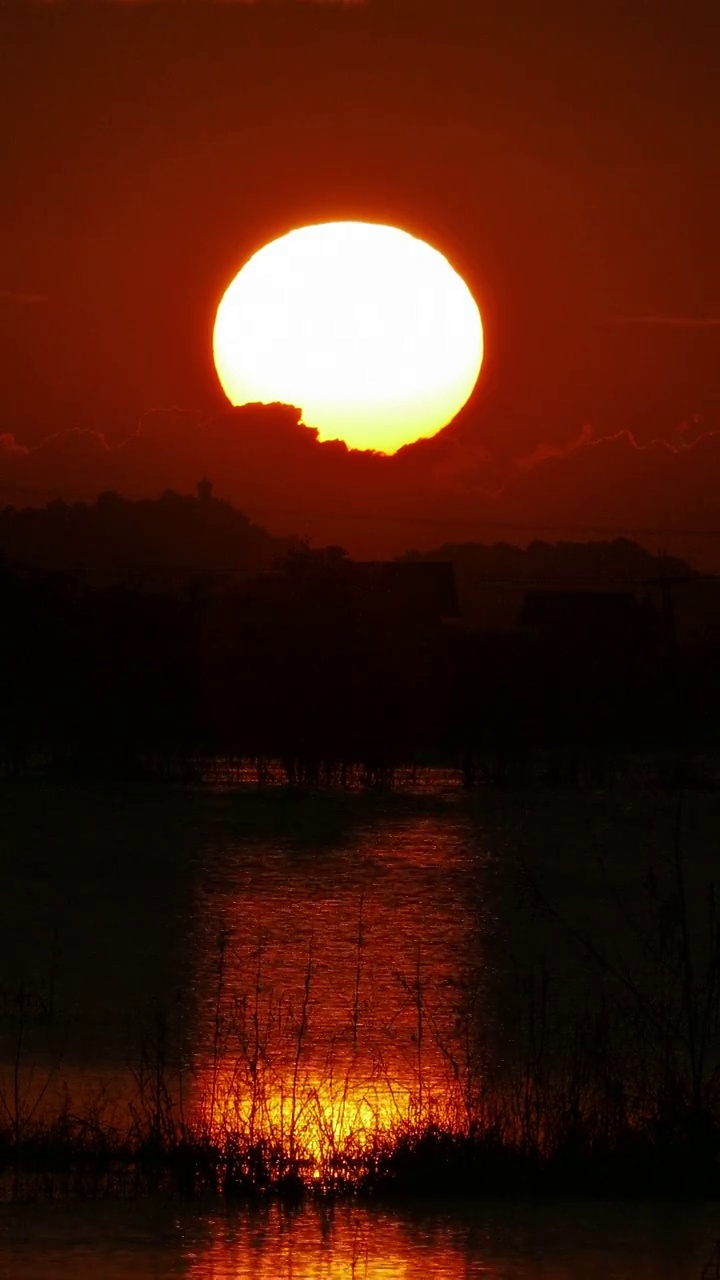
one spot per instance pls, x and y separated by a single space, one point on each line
327 1125
329 1009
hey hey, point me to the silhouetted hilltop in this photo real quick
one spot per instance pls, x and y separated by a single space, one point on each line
492 581
176 540
114 539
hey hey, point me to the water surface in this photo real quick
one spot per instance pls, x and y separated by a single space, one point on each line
314 964
495 1242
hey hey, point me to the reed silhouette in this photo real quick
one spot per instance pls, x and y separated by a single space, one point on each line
618 1096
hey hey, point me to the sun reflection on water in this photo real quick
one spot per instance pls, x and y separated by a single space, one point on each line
327 1128
335 1012
319 1245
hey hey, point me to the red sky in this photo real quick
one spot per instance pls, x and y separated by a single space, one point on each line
564 156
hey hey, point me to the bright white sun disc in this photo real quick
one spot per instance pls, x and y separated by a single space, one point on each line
367 329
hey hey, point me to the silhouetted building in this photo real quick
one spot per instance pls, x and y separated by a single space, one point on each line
423 590
691 610
609 621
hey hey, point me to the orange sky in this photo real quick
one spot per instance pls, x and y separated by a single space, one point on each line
561 155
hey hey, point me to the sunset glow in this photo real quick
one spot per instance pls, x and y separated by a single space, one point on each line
365 328
320 1116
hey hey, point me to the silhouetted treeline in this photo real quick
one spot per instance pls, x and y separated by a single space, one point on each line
116 540
327 664
492 580
301 667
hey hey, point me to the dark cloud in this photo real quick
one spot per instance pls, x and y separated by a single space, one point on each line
546 450
447 489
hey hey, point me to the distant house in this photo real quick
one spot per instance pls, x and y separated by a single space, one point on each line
612 622
422 589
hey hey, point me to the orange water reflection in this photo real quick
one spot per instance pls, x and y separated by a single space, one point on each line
554 1242
344 1002
317 1246
503 1241
330 984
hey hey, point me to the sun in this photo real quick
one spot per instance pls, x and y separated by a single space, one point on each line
365 328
